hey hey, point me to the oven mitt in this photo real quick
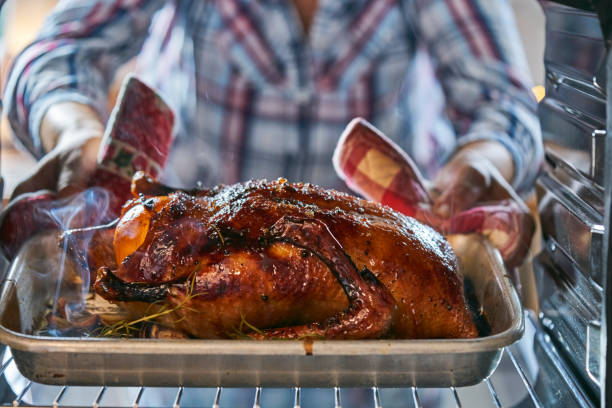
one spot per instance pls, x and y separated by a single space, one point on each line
138 137
375 167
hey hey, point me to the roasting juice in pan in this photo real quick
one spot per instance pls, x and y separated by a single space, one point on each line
260 260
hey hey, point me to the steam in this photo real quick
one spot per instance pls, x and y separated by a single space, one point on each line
58 258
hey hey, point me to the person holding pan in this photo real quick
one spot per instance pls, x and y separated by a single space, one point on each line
264 88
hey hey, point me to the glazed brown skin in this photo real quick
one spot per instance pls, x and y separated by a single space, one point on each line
293 260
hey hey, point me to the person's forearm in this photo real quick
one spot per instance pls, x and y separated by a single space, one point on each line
65 119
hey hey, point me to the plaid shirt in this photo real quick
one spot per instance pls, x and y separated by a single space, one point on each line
258 97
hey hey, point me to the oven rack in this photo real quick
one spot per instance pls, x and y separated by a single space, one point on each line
511 385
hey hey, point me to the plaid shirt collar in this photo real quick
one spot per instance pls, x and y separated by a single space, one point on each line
329 58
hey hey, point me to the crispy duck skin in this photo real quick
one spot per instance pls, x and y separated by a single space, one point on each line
291 259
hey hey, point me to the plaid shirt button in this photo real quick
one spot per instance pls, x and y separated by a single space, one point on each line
303 96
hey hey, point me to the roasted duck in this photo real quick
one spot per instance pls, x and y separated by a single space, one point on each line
279 260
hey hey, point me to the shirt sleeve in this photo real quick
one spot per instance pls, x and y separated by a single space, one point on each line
480 63
74 58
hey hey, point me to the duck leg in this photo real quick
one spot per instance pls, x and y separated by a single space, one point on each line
372 308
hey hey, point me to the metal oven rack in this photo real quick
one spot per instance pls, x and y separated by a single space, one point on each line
98 396
530 374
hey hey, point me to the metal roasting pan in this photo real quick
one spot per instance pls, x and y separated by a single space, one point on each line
27 292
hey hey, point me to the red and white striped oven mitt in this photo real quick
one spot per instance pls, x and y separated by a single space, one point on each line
375 167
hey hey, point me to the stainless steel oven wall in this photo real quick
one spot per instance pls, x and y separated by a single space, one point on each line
573 114
571 188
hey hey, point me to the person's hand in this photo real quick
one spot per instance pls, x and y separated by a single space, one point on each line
72 134
67 167
471 177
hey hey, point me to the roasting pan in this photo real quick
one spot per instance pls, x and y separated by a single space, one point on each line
27 292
